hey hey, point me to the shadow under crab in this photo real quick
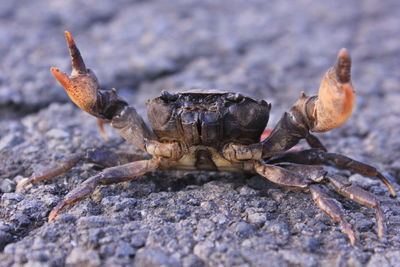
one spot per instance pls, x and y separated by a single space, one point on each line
220 131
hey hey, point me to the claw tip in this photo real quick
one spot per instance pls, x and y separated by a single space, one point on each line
69 38
343 53
54 70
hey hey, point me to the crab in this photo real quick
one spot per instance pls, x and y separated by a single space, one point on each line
220 131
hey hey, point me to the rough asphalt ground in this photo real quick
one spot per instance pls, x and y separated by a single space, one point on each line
268 49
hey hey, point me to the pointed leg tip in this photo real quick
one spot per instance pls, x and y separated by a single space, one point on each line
393 193
51 217
56 210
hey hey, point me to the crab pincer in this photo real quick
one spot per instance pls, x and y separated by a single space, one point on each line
83 88
336 96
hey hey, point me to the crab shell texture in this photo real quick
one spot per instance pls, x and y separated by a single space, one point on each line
208 117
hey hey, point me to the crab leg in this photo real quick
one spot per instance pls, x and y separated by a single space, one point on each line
333 209
362 197
343 187
290 179
315 157
282 177
101 157
108 176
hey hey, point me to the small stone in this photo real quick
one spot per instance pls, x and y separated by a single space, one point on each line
124 250
66 218
138 240
10 199
243 229
220 219
82 257
5 238
247 191
205 226
378 260
256 218
193 261
92 221
10 140
153 258
203 249
363 181
20 221
278 228
393 257
7 185
298 258
57 134
5 227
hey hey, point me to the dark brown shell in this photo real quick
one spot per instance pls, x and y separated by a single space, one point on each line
208 117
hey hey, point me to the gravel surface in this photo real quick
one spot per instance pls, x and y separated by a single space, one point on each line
267 49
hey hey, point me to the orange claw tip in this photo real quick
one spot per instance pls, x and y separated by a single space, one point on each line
78 65
68 36
61 77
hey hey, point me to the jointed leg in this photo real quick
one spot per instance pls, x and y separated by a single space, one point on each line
292 180
333 209
362 197
305 178
320 157
343 187
108 176
101 157
283 177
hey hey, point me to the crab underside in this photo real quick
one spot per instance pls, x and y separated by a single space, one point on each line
214 130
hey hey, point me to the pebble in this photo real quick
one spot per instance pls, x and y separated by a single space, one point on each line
154 258
57 134
10 199
10 140
83 257
7 185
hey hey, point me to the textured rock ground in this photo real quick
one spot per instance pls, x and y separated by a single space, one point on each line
269 49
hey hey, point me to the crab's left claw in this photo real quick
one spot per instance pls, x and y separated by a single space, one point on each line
336 96
81 86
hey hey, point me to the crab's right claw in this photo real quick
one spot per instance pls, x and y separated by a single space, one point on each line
336 96
81 86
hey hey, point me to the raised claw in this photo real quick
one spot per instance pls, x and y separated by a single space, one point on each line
83 88
336 96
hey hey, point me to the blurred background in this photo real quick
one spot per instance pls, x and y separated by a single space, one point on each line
266 49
